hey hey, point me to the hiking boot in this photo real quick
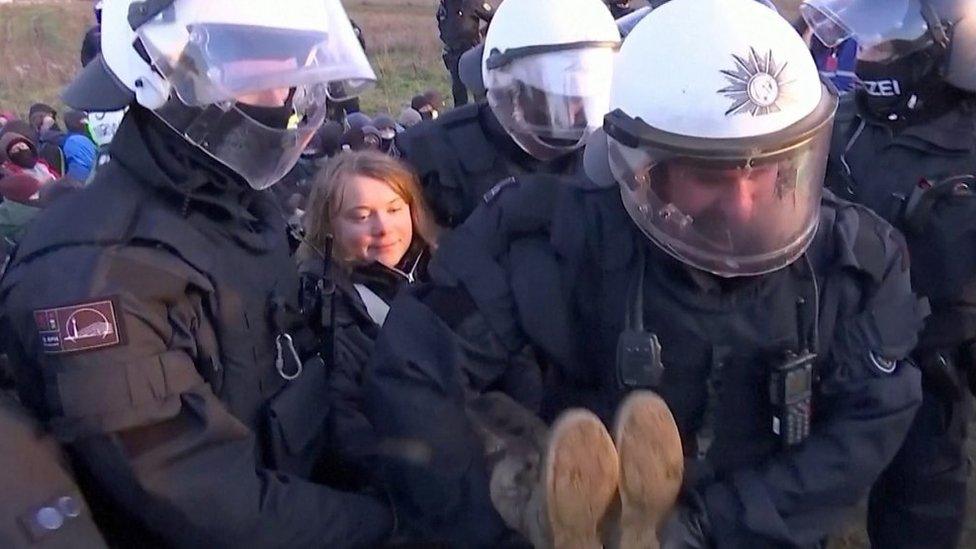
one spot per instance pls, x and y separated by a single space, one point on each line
553 486
581 474
651 467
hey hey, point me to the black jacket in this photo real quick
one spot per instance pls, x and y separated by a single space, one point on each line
147 336
461 155
459 22
348 334
921 179
546 266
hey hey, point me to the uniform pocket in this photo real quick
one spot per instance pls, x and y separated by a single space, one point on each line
297 420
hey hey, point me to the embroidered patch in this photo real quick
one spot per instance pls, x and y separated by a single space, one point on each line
79 327
886 365
756 85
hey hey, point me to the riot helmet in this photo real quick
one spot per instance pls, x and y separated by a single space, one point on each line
546 68
226 75
908 50
721 159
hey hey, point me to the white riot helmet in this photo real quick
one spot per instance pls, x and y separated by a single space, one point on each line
718 135
227 75
547 66
889 30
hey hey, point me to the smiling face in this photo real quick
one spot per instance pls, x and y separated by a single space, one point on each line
373 223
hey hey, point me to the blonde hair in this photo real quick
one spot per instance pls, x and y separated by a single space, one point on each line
325 201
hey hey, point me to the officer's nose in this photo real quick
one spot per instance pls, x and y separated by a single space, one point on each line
740 201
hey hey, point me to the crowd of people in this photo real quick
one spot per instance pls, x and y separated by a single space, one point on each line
687 276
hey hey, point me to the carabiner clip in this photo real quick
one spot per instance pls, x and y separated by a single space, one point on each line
280 359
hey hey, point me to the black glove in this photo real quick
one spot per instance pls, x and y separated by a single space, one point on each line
687 528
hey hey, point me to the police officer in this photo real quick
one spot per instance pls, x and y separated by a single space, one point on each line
153 337
773 319
459 24
41 505
91 44
909 153
546 68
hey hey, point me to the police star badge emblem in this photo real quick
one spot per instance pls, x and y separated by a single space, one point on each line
756 85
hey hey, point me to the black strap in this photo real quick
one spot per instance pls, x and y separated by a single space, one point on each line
634 319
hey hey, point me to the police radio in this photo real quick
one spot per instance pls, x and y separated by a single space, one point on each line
639 363
791 394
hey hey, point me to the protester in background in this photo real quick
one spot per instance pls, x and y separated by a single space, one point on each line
387 128
43 117
358 120
22 158
6 116
409 117
50 138
91 45
79 150
371 137
19 206
422 104
352 139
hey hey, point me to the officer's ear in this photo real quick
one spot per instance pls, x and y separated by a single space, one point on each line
596 160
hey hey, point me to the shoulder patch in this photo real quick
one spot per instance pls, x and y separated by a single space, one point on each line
493 192
81 327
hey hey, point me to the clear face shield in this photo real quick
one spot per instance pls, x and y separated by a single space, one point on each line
550 98
240 71
731 207
884 31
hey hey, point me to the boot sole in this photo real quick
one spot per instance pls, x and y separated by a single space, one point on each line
651 467
582 471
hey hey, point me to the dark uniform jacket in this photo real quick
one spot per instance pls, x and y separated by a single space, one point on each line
548 267
922 180
41 505
461 155
459 22
146 318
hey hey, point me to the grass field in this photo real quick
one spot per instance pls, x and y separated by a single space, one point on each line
39 42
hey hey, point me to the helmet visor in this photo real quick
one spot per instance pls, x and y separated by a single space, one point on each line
884 31
221 49
260 153
737 211
557 97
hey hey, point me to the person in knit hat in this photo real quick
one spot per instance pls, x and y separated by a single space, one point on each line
409 117
22 158
422 104
20 193
387 128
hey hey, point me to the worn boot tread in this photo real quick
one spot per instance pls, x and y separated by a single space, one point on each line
651 467
581 479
